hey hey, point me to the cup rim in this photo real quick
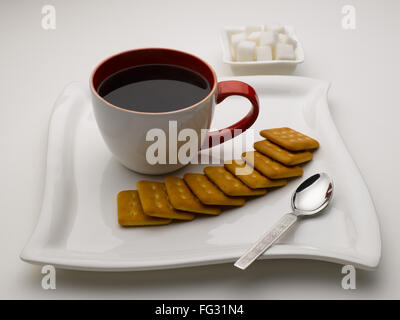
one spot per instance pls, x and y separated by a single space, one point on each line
98 66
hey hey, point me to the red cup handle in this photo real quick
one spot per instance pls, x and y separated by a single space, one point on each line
234 88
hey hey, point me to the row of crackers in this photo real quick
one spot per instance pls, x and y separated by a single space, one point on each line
275 160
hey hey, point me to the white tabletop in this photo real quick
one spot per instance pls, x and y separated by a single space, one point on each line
36 64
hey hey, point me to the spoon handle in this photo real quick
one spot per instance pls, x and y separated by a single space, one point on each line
267 240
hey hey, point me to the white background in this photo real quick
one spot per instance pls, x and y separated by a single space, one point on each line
35 65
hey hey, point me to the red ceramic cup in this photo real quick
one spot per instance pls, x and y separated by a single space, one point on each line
126 132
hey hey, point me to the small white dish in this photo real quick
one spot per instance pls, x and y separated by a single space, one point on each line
78 227
259 67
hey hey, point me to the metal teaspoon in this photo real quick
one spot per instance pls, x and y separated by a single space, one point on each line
309 199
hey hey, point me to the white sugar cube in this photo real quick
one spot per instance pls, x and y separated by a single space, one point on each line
251 29
254 36
235 39
268 38
263 53
245 51
284 51
274 27
284 38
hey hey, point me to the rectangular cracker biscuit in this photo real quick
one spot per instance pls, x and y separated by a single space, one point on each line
251 177
282 155
155 202
270 168
208 193
229 184
182 198
130 211
290 139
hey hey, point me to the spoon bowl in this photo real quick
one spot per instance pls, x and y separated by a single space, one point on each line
312 195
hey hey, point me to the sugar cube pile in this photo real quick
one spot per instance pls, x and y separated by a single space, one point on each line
262 43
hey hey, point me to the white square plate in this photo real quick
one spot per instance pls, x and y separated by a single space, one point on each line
78 229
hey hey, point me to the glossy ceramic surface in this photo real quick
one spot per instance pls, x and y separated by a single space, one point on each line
125 132
78 229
